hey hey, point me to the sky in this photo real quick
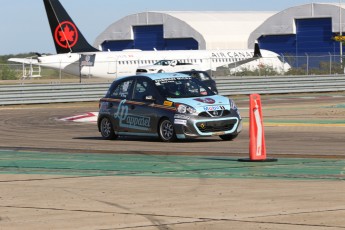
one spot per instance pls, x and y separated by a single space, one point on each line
24 25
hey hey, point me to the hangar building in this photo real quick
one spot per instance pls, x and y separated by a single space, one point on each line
302 30
181 30
297 31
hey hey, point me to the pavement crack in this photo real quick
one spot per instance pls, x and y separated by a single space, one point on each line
153 218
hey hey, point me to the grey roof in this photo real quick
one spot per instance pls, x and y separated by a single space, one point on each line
212 30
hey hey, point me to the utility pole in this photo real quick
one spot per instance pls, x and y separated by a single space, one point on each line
340 34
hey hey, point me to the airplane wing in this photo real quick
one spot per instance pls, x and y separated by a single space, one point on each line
257 55
24 60
239 63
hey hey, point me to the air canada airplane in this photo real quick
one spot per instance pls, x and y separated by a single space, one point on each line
71 45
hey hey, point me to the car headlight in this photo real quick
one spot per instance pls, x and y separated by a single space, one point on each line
181 108
232 104
234 107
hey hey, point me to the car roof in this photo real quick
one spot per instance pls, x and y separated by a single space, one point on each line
157 76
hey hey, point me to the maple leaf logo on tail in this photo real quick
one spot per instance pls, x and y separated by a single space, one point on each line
66 34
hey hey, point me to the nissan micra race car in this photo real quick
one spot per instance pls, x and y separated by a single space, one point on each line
166 105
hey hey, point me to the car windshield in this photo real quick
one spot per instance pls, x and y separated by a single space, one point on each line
182 87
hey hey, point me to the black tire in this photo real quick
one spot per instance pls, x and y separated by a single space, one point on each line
166 131
160 71
228 137
107 130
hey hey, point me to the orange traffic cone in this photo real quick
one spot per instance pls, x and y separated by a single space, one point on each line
257 145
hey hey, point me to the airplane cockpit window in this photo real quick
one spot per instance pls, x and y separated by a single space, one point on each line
281 58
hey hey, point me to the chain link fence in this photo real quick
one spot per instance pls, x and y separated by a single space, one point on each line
315 65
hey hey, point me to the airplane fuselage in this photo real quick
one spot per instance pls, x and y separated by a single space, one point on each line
123 63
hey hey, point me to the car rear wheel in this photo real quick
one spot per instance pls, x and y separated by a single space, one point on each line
228 137
166 131
107 129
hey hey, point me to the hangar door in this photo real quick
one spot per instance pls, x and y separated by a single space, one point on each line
149 38
313 37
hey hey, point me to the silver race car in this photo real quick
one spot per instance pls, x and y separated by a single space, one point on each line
167 105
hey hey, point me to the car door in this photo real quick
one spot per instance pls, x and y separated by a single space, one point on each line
120 97
142 114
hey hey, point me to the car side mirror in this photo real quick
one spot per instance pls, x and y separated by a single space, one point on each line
150 98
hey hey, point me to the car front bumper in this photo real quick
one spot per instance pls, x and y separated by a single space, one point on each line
196 126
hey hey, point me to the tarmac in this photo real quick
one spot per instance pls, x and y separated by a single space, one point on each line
57 174
45 190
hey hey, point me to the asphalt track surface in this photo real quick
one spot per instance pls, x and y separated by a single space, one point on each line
61 175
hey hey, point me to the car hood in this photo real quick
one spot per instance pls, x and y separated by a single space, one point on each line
207 103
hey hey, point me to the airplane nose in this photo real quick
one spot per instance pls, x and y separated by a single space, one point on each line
287 67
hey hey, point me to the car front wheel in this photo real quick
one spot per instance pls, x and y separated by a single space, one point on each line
107 129
166 131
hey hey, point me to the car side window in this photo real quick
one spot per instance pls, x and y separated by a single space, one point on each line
122 90
204 77
141 89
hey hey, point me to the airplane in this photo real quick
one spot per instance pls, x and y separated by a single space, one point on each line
71 45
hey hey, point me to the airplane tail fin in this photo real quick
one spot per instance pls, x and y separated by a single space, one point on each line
257 52
67 37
